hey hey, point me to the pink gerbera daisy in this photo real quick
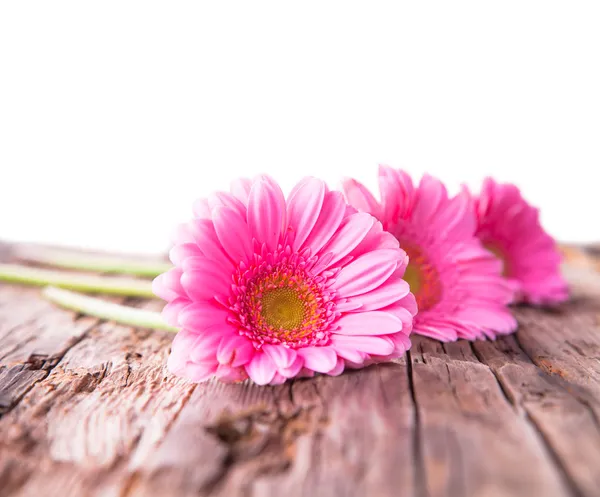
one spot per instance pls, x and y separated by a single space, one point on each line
457 283
510 228
270 288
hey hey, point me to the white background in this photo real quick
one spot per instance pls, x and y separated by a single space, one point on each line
115 116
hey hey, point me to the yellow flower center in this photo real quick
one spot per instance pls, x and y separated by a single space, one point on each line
422 277
412 276
282 308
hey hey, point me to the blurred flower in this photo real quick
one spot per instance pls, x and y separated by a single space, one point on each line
457 283
270 288
509 227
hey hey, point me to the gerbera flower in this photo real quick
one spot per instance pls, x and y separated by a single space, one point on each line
510 228
457 283
270 288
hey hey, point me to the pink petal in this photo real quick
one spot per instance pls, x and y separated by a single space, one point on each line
389 292
240 189
180 350
278 379
235 350
294 369
201 209
206 281
181 252
282 356
368 323
233 233
228 374
367 344
204 264
261 369
431 194
222 199
360 197
351 232
202 315
304 207
367 272
320 359
442 333
170 312
401 344
328 222
168 285
266 213
338 369
205 347
205 236
199 372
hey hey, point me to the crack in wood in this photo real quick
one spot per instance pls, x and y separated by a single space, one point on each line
551 454
559 380
420 476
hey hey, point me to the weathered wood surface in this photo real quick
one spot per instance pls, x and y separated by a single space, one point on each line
87 408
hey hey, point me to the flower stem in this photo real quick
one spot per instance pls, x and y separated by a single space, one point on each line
70 259
82 282
108 311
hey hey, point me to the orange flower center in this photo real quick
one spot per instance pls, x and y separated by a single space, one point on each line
422 278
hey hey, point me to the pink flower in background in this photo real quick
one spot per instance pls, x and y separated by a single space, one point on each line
270 288
458 284
510 228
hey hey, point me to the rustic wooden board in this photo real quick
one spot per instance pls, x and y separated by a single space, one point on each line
88 408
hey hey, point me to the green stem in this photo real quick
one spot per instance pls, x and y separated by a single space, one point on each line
70 259
108 311
82 282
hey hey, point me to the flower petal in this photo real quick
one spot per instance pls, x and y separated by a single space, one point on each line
266 213
180 350
261 369
368 344
304 207
233 233
282 356
332 213
294 369
168 285
205 346
351 232
367 272
199 372
202 315
235 350
171 311
368 323
240 189
389 292
360 197
205 282
320 359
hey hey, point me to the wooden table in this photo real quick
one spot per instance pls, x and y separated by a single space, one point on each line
88 408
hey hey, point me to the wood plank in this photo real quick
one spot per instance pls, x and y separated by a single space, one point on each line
102 408
350 435
89 409
473 441
567 424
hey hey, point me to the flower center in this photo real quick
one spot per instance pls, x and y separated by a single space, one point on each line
422 277
282 308
278 300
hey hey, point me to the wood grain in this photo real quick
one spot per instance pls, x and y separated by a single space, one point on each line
88 408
